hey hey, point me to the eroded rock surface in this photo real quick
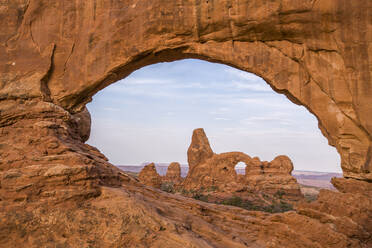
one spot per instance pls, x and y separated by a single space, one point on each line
274 176
199 150
55 55
149 176
173 173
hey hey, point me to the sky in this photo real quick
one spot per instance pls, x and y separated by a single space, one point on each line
149 117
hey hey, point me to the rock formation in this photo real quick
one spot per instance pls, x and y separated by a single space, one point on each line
149 176
271 177
267 186
217 171
55 55
173 173
199 150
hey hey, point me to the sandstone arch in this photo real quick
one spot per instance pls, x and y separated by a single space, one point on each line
209 170
56 55
304 49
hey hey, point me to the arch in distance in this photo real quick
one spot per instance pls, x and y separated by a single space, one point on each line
314 52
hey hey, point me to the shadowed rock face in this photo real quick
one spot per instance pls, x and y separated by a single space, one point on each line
55 55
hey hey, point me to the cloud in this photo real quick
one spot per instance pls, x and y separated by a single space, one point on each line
221 119
145 81
141 91
220 111
223 109
272 133
272 101
111 109
280 118
243 75
262 87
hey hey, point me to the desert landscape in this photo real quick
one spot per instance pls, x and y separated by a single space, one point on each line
265 186
58 191
311 182
306 178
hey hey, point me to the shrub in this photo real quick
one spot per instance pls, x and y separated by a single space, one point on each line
167 187
200 197
280 207
184 192
285 206
279 194
273 208
310 197
212 188
233 201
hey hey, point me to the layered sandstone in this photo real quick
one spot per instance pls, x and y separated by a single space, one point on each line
55 55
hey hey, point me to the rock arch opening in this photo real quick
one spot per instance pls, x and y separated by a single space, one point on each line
164 102
240 168
158 106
